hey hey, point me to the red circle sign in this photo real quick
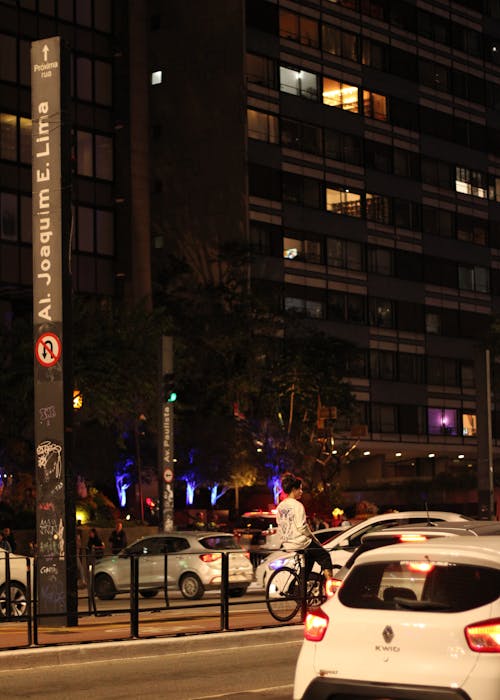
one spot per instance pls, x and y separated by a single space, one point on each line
48 349
168 475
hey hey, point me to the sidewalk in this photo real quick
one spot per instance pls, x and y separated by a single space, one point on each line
86 652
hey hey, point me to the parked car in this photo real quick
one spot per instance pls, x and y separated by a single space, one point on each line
344 543
194 565
424 619
18 585
411 534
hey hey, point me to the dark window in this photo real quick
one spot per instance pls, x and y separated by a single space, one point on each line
264 182
411 317
262 15
410 369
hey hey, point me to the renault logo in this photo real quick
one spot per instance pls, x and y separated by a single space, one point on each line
388 634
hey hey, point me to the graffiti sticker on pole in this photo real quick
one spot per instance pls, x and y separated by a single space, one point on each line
48 349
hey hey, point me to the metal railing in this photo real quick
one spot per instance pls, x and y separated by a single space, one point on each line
13 609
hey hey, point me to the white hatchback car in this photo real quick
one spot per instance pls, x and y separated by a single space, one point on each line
343 544
409 622
194 565
18 585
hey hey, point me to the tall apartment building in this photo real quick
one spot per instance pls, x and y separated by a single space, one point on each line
354 144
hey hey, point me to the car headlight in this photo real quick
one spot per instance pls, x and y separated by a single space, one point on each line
277 563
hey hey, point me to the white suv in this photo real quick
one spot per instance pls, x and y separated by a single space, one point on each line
409 622
343 544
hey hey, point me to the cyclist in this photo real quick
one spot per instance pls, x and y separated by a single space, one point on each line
295 533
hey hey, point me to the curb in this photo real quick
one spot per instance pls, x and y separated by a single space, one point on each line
105 651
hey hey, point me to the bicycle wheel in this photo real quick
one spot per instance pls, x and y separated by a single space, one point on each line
316 595
283 597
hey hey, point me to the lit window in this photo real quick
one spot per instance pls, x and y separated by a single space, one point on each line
442 421
343 202
156 77
299 82
262 126
337 94
374 105
471 182
469 425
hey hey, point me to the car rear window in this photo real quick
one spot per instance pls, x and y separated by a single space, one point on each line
258 523
420 585
218 542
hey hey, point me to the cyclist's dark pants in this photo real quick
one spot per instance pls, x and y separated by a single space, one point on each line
316 553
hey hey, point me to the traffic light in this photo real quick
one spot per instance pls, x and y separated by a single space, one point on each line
169 392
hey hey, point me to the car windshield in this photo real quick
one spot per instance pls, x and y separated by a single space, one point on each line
419 585
219 542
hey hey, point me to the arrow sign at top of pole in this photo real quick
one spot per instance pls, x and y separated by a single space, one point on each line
45 52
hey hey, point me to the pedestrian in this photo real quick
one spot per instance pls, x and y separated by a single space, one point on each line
95 546
9 536
118 538
296 535
82 581
4 543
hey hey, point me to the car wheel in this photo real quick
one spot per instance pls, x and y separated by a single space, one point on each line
191 587
149 593
18 602
104 587
237 592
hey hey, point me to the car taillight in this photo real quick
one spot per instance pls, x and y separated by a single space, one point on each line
423 567
315 625
214 556
412 538
484 636
332 585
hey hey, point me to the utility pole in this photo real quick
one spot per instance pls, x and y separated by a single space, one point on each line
166 445
485 476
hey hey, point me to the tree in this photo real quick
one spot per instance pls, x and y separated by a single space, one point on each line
245 376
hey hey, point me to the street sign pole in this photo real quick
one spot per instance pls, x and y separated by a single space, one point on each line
166 457
55 506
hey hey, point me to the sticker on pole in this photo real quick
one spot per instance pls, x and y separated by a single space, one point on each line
48 349
168 475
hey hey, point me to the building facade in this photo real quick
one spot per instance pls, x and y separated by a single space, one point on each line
353 144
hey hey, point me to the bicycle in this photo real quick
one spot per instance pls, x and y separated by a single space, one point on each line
286 593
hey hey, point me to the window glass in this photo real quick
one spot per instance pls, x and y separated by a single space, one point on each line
65 8
26 215
86 229
381 261
24 62
85 156
84 78
8 136
384 419
8 213
469 425
260 70
84 12
342 95
289 25
374 106
25 140
8 62
262 126
103 83
343 201
378 208
441 588
104 157
442 421
102 15
298 82
382 313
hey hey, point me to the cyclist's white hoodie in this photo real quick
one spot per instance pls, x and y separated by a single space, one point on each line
292 525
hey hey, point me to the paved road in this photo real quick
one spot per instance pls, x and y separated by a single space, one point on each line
229 666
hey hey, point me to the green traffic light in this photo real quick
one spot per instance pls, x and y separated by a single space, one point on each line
172 397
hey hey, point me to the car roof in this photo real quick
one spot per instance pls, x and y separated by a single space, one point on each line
259 514
463 550
197 534
475 528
